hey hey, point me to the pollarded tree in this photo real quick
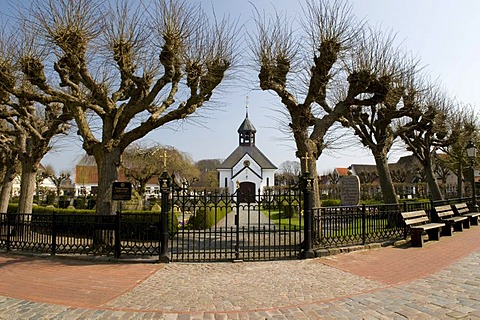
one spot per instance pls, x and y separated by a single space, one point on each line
125 71
8 162
378 125
35 126
141 165
434 125
343 64
181 165
57 179
35 118
464 121
288 172
208 174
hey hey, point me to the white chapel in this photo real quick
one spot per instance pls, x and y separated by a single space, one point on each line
247 168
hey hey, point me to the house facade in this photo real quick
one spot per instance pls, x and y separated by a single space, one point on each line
86 179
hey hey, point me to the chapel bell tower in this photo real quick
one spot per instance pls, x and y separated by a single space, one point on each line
246 132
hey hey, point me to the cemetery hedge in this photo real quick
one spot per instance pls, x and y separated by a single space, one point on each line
80 222
207 216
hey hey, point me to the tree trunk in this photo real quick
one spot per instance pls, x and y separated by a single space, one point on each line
386 184
27 185
308 166
460 190
7 185
316 188
435 193
141 192
107 167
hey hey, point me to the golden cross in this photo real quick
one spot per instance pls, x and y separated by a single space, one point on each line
165 159
306 158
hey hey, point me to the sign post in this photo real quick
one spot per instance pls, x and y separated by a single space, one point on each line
121 191
164 182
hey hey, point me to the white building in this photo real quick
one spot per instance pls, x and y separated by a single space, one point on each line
247 168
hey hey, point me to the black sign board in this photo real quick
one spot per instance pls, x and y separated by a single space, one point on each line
121 191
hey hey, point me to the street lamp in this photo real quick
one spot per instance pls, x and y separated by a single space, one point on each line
472 154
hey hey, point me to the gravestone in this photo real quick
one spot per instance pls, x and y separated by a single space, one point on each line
350 190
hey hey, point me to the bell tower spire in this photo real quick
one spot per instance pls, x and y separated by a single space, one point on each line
247 130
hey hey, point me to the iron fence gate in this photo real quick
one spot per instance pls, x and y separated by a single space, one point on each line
223 227
201 227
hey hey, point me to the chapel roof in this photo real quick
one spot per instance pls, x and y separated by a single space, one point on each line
246 126
253 152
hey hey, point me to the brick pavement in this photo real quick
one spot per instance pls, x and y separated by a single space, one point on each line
438 281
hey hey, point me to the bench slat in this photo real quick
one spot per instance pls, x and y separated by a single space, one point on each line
455 219
444 211
415 221
419 223
413 214
429 226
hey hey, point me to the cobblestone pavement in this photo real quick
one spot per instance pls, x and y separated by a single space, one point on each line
439 281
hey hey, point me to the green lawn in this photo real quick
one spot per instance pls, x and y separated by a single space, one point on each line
355 227
284 223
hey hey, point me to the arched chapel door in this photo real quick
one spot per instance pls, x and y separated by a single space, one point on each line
246 192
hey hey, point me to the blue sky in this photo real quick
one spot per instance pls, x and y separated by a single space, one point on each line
443 33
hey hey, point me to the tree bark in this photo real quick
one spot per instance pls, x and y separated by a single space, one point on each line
27 185
107 166
307 154
435 192
386 184
7 185
460 190
316 189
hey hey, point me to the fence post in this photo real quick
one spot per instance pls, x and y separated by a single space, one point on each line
307 185
9 233
117 235
364 227
165 192
54 234
429 212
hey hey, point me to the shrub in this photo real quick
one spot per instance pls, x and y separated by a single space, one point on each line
288 210
63 202
201 220
50 199
331 202
80 203
206 217
12 207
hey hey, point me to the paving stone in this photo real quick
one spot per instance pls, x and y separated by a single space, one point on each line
438 281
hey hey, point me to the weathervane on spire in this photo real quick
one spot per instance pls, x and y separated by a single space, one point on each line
246 105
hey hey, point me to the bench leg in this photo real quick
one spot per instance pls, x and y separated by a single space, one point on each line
417 239
474 221
466 224
458 226
433 234
447 230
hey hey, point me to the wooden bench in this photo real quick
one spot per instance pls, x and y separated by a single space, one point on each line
445 214
461 209
419 223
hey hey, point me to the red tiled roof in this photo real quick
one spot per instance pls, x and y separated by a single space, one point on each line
342 171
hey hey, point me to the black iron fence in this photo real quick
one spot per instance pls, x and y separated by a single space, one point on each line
201 227
359 225
208 227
